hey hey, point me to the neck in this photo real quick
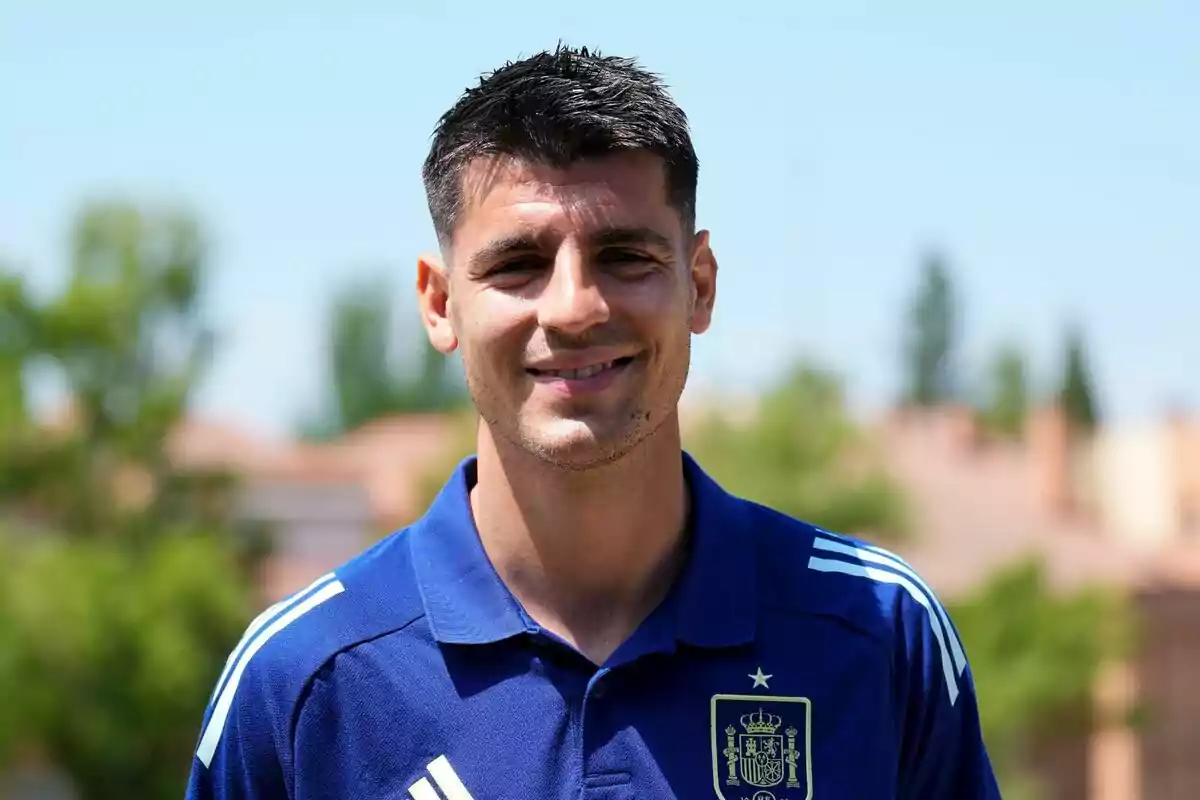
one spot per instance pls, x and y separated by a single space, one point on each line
590 553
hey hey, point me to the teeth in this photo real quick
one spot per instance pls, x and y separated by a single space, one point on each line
580 374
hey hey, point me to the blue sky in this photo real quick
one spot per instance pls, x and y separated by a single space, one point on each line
1051 153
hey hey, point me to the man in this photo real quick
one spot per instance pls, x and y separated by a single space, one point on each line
582 612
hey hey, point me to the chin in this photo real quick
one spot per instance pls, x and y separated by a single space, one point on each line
576 445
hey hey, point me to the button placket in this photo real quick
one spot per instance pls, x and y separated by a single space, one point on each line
605 775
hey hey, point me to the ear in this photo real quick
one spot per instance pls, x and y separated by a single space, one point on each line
433 297
704 282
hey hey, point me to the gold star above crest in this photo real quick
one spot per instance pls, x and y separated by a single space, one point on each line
760 679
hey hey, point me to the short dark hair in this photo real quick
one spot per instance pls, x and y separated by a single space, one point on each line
558 108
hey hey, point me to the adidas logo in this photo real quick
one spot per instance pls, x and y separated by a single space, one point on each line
446 780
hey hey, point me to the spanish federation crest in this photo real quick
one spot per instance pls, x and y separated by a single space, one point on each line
761 747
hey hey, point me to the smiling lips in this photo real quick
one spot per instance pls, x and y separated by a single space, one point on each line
582 380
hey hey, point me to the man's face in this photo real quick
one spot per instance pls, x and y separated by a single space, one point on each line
573 294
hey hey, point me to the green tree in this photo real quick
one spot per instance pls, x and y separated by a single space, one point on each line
1077 392
800 453
1036 654
1006 404
369 375
932 337
126 583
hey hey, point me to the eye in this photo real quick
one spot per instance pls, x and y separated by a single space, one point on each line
626 263
623 255
518 265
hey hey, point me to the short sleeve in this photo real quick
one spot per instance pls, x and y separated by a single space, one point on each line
943 754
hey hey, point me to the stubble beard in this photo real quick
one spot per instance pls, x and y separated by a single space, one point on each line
579 452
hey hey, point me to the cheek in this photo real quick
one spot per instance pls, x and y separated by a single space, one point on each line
666 310
492 334
658 300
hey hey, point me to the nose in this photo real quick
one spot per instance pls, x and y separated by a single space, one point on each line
572 300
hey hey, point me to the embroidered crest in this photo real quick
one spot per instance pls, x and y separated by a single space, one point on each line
761 748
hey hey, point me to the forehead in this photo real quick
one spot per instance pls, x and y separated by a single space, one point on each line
506 196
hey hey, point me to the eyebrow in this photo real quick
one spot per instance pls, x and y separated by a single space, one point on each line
610 237
499 248
528 242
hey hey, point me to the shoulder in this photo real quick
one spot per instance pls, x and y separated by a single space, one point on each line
371 594
270 669
869 588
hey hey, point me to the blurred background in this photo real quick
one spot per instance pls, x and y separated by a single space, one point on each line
957 316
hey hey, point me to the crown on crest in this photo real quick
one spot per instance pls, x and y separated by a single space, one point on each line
761 722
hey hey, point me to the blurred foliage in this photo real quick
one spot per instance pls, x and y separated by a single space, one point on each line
1077 394
112 656
1006 400
800 453
368 376
126 583
1036 656
931 339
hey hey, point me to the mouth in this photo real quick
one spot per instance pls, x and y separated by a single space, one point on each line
581 373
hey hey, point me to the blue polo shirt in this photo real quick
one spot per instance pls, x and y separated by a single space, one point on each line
787 663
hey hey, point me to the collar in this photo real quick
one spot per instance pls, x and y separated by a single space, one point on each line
717 594
466 602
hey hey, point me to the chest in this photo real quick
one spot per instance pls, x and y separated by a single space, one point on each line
761 722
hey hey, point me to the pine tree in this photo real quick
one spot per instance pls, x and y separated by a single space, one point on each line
368 377
932 337
1077 395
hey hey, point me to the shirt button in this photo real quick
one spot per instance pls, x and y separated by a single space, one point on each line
599 690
